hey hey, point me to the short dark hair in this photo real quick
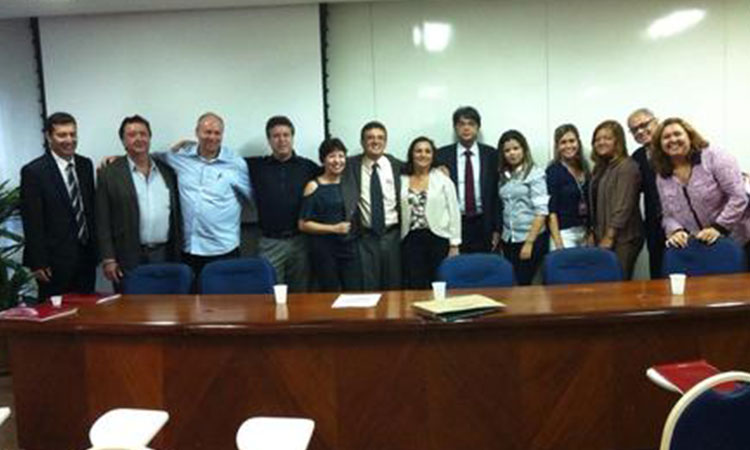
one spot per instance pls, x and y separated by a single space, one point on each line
528 161
467 112
329 146
133 119
371 125
58 118
275 121
409 166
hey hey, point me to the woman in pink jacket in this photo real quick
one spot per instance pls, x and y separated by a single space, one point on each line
701 188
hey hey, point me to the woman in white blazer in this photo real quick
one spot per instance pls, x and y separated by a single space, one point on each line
430 219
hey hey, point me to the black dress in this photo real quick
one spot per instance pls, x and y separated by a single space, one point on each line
333 257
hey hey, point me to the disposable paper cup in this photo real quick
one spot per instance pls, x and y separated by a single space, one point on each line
56 300
282 312
438 290
677 283
279 293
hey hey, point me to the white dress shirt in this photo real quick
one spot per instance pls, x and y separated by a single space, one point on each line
476 162
154 204
385 171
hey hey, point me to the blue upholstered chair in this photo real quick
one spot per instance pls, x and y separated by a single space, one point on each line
581 265
167 278
476 270
237 276
723 256
704 418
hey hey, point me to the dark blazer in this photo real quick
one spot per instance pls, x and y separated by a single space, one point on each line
351 182
488 177
49 224
655 237
118 215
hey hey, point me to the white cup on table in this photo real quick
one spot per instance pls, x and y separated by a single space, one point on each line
279 293
438 290
56 300
677 283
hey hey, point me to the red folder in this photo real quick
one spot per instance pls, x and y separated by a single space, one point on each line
682 376
38 313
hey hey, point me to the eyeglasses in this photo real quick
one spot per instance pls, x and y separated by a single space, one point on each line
641 126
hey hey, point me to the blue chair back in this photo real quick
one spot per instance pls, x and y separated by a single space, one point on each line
723 256
712 420
581 265
166 278
238 276
476 270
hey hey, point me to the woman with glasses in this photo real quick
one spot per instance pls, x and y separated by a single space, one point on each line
613 196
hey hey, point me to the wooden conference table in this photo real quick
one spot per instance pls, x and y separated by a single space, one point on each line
561 368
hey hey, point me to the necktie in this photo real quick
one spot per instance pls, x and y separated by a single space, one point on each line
77 202
470 204
377 213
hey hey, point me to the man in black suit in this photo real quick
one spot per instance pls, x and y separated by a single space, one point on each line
57 207
137 206
371 187
643 124
469 160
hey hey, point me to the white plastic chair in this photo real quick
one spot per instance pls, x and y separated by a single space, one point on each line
126 428
4 414
275 433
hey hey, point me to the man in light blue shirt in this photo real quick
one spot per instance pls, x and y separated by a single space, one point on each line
212 181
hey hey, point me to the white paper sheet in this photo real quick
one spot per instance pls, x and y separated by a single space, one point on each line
356 301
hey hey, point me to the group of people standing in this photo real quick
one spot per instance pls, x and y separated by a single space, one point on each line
370 221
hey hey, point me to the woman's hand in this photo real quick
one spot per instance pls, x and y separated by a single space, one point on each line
607 243
526 250
678 239
452 250
342 227
709 235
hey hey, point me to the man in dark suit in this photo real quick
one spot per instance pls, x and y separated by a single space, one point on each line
473 168
371 188
57 207
137 206
643 124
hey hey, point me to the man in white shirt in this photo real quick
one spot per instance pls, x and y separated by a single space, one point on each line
137 206
371 184
473 168
57 207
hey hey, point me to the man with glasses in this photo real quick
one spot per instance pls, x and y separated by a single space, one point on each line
642 124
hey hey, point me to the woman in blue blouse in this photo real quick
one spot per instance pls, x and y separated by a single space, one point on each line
332 252
523 192
567 184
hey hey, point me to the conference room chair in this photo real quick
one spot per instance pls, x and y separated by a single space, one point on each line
723 256
476 270
704 418
237 276
275 433
581 265
167 278
126 428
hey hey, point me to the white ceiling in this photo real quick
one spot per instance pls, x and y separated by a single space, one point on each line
36 8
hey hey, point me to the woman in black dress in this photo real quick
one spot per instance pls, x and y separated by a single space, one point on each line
332 251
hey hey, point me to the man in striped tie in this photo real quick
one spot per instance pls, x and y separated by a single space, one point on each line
57 207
